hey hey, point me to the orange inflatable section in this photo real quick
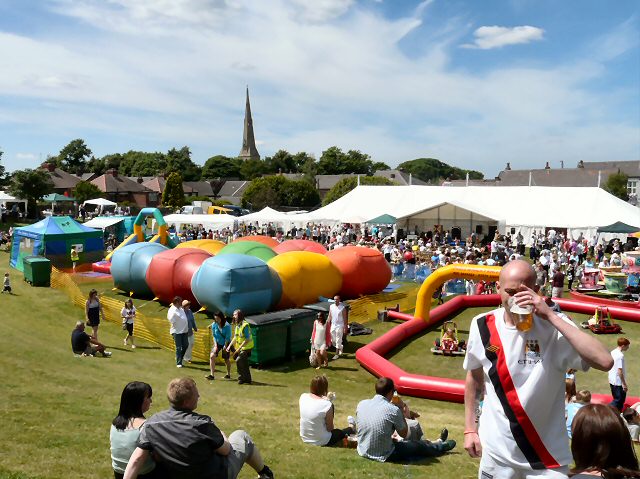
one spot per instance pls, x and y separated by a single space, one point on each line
364 270
300 245
438 277
305 276
209 245
267 240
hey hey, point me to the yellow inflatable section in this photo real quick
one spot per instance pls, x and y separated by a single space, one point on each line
208 245
305 276
438 277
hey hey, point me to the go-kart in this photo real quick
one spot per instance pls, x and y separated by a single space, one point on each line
448 344
602 322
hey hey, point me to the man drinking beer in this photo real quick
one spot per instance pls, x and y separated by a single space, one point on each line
521 432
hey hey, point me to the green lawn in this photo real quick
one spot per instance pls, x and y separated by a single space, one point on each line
57 408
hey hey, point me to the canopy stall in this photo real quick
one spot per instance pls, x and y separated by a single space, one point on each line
100 202
53 237
119 226
6 198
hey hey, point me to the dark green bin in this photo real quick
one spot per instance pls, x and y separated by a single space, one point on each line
301 326
270 333
37 270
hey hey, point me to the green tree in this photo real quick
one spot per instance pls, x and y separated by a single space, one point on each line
180 161
345 185
221 166
140 163
73 157
281 162
276 191
335 162
173 194
616 184
86 191
379 166
431 170
251 169
31 185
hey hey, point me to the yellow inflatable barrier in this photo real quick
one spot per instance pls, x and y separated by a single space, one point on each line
438 277
305 276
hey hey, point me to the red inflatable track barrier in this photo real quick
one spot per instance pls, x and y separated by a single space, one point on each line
603 301
446 389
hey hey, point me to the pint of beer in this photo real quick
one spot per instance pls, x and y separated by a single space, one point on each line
522 315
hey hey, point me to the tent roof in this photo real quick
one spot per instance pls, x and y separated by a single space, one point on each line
385 219
266 214
7 197
57 225
514 205
102 222
100 201
618 227
56 198
207 221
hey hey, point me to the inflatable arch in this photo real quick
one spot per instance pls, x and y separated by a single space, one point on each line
138 234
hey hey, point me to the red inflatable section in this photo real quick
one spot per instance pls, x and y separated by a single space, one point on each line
300 245
445 389
603 301
170 273
364 270
267 240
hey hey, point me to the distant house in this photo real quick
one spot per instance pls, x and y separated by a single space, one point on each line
232 190
586 173
63 182
120 188
190 188
400 177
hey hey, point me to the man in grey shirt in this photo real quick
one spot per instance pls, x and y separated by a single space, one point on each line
378 418
190 445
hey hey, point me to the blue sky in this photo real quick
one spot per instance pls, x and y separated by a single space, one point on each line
473 83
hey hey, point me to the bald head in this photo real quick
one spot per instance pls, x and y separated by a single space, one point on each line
516 272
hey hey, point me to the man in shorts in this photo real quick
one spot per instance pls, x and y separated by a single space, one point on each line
521 433
84 345
190 445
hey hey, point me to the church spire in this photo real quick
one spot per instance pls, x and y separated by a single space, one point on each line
249 150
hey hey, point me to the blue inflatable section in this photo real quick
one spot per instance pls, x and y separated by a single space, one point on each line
234 281
129 266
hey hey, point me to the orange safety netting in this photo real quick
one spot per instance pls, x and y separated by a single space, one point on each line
152 329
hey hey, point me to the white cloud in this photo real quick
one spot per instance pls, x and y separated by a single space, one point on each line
155 74
26 156
321 10
487 38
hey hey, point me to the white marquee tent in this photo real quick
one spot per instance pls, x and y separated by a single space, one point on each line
7 198
213 222
508 208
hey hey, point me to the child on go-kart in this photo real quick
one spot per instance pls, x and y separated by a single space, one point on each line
449 340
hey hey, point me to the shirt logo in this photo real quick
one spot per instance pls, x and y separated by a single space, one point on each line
492 348
532 353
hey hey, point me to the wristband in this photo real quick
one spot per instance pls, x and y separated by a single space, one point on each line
470 432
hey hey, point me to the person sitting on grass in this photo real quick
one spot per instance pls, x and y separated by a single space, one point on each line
582 398
84 345
632 418
601 445
125 430
316 416
378 418
190 445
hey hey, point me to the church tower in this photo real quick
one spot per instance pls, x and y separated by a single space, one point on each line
249 150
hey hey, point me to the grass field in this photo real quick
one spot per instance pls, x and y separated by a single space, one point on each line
57 408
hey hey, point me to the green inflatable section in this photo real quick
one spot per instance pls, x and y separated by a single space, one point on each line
250 248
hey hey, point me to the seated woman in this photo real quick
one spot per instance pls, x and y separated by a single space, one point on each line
632 418
125 429
601 444
316 416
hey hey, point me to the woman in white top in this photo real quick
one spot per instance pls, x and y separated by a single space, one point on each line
128 314
316 416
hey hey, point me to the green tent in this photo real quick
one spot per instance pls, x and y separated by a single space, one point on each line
385 219
618 227
56 198
53 237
